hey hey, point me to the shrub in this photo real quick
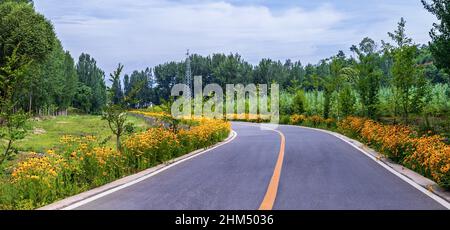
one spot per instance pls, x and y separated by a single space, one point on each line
428 155
205 134
297 119
315 120
145 149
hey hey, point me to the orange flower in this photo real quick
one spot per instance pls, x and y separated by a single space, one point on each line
426 154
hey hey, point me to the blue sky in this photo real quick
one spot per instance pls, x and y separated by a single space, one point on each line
144 33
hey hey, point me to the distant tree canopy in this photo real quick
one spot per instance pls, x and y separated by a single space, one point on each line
42 78
373 64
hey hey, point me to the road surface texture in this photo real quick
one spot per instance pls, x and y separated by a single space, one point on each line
319 171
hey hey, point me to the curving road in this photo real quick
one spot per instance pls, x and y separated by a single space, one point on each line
292 169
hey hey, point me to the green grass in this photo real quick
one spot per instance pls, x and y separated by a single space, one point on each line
45 134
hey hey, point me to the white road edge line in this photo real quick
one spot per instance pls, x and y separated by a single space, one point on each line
401 176
100 195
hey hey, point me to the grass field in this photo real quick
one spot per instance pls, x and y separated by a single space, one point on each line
46 133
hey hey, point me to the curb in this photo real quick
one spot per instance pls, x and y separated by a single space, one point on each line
418 181
132 179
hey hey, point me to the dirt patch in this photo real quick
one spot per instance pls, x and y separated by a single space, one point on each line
39 131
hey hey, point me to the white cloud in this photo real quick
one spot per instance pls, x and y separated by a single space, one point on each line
143 33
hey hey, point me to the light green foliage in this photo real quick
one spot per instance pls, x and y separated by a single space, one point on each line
406 76
440 34
347 101
410 85
299 103
115 112
116 117
14 128
370 73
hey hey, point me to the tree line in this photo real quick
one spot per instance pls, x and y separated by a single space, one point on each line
52 82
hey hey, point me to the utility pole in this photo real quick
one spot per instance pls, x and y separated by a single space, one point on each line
188 72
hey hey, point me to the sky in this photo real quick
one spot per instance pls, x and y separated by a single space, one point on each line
145 33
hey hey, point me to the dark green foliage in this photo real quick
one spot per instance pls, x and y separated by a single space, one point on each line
51 83
116 92
26 38
90 75
23 29
440 34
139 89
83 98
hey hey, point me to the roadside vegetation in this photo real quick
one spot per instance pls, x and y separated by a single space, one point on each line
80 163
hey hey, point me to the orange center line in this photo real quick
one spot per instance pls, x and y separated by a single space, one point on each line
272 190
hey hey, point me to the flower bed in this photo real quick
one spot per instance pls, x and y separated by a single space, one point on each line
427 155
82 163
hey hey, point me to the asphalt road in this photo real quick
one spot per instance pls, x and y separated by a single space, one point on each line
319 171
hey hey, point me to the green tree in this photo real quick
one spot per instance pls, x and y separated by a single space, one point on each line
299 103
93 77
408 79
115 112
17 1
167 75
399 35
83 97
116 87
440 34
139 91
405 76
12 123
24 30
51 83
368 83
26 37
